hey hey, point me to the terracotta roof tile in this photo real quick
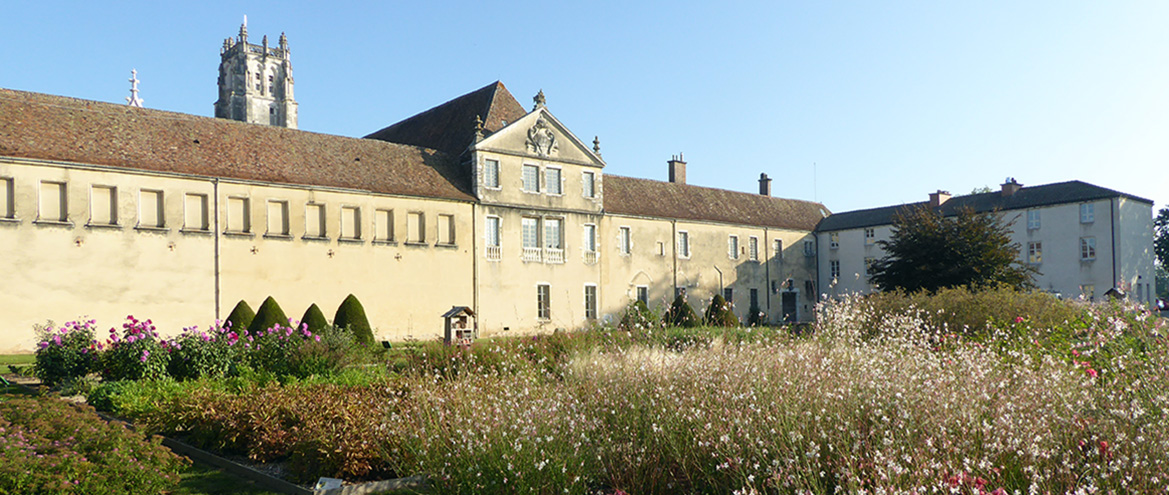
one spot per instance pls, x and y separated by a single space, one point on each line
651 198
450 127
34 125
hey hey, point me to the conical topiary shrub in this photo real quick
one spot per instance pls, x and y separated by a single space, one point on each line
757 317
637 317
314 319
351 316
267 317
241 317
719 313
681 314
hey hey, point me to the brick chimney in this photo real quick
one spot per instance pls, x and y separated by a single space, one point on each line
764 185
1010 187
937 198
677 169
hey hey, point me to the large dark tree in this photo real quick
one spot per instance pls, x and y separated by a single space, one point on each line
929 251
1161 249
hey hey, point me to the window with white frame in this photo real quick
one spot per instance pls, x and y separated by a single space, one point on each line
446 230
590 238
543 302
1033 220
1087 248
624 240
833 240
809 248
588 184
239 215
195 212
553 233
753 248
531 179
415 228
733 247
531 232
590 302
834 268
870 236
553 182
1035 252
150 209
643 294
1087 213
314 221
777 250
494 250
491 174
683 244
1088 291
277 218
7 198
103 205
351 223
383 225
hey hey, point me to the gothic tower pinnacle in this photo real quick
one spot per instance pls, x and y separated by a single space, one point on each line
255 81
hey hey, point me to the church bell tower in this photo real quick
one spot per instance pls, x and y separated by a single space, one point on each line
255 81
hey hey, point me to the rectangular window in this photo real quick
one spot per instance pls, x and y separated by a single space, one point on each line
314 221
870 236
729 295
7 198
544 302
809 248
661 248
278 218
754 299
491 174
415 227
1088 292
531 232
834 240
1087 213
1033 220
552 181
383 225
733 247
1035 252
643 294
1087 248
590 300
590 238
552 234
350 222
624 240
446 230
834 268
531 179
869 266
777 250
588 184
753 248
195 212
103 205
683 244
493 250
239 215
54 205
150 209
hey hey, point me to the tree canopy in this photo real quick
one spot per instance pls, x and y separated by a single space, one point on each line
928 251
1161 250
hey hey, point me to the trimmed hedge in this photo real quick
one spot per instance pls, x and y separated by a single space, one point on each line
315 319
351 316
267 317
241 317
719 313
681 314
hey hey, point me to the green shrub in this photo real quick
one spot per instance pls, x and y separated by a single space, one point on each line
51 446
681 314
196 353
638 316
329 351
756 317
315 319
970 312
240 318
719 313
267 317
137 355
66 353
351 316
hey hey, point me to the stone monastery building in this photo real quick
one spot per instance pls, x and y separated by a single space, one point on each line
108 210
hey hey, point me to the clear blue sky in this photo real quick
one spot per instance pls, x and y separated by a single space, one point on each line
889 100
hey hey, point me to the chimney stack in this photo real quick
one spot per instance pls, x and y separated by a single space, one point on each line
1010 187
764 185
677 169
938 198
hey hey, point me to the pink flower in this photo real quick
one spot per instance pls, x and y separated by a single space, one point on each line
145 354
1018 319
1092 373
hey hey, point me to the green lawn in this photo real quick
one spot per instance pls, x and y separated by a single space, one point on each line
203 480
6 359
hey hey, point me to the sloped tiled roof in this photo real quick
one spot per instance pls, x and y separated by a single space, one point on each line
1028 197
651 198
450 127
34 125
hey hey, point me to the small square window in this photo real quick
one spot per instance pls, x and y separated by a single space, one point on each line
150 209
833 240
870 236
383 225
1087 248
1087 213
446 230
314 221
1033 220
239 215
415 227
195 212
103 205
1035 252
277 218
643 294
351 223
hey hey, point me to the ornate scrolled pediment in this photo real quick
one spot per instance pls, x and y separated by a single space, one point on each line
541 140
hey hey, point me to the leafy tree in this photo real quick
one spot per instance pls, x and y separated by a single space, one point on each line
1161 249
267 317
928 252
719 313
681 314
241 317
315 319
351 315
